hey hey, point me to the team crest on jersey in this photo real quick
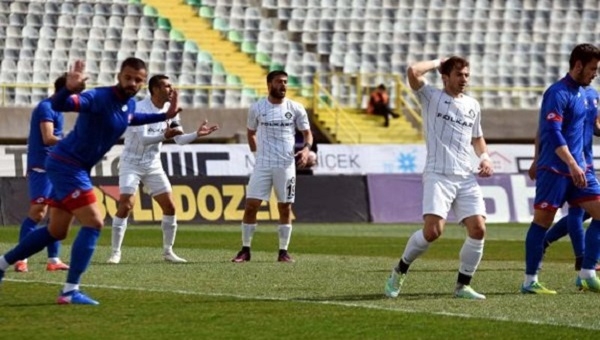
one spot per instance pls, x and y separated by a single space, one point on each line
471 114
288 115
554 117
124 108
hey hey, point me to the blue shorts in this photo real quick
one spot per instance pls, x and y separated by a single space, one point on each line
71 185
39 186
552 190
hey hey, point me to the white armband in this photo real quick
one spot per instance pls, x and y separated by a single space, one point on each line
485 157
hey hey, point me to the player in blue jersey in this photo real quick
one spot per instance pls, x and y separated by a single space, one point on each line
104 114
572 224
46 129
561 174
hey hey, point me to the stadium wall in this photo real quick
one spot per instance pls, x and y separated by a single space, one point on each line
500 126
14 123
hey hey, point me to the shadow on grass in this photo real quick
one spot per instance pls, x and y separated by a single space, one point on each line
451 270
339 298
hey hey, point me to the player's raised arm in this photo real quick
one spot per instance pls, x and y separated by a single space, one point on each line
148 118
203 130
416 72
70 98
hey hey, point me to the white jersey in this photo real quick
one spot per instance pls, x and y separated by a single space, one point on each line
449 125
134 151
275 126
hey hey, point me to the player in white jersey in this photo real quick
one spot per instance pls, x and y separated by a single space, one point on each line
272 124
452 124
140 161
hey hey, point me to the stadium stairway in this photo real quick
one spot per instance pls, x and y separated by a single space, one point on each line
363 128
185 18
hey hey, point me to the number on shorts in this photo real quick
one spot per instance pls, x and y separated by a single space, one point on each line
291 187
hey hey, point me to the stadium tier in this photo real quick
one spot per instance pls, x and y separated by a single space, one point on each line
219 51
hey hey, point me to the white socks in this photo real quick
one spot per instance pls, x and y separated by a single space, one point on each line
417 245
69 287
3 264
119 226
169 227
285 233
247 233
470 256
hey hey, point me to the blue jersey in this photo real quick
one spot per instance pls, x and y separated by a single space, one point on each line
562 122
591 98
104 114
36 149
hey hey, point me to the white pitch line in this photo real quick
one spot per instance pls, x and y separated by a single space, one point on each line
324 302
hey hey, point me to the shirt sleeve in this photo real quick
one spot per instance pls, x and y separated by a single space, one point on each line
551 119
252 122
45 112
65 101
425 93
301 118
477 131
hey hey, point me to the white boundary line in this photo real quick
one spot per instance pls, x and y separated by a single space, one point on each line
324 302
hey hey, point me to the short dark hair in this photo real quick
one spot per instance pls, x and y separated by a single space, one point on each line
453 62
135 63
60 82
155 81
273 74
381 87
583 53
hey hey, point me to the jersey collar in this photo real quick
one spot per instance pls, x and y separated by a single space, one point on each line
570 81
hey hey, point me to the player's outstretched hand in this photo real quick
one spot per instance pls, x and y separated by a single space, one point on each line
76 77
172 132
205 130
485 168
174 108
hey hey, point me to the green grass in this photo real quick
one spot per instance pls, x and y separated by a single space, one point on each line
334 290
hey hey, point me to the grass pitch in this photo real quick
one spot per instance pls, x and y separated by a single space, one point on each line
334 290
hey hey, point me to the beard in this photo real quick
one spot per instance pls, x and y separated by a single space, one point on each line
276 93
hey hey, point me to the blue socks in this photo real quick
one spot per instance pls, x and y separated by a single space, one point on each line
534 248
592 246
572 224
27 227
34 242
81 253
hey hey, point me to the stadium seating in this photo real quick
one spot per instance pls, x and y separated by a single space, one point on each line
512 43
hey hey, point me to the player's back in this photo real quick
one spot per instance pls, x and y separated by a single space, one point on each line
36 149
563 111
104 116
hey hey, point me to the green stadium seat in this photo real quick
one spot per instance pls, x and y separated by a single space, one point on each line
249 47
235 36
233 80
190 46
220 24
293 81
206 12
195 3
263 59
204 57
176 35
135 2
150 11
164 23
275 67
218 68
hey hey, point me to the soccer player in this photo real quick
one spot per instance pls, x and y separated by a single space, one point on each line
561 174
140 161
572 224
272 122
452 124
46 129
104 114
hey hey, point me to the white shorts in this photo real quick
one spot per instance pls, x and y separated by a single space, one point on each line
461 194
282 180
154 178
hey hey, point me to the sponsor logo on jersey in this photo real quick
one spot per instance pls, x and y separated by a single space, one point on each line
459 121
